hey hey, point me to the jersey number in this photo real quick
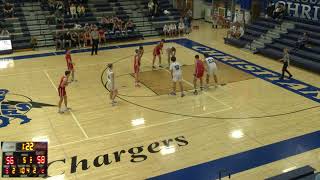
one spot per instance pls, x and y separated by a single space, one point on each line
210 61
177 67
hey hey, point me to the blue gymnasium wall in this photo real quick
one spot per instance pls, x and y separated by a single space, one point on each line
244 4
305 9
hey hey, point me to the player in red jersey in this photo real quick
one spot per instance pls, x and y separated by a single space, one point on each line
62 91
198 73
70 64
157 51
136 66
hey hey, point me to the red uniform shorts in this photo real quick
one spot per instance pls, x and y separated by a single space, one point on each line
70 66
62 91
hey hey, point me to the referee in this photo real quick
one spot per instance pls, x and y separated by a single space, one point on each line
95 41
286 63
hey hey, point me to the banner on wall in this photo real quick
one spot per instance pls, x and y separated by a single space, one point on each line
306 9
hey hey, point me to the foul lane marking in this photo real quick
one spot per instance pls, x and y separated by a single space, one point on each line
72 114
207 94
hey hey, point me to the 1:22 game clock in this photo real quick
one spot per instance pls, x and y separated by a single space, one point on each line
24 159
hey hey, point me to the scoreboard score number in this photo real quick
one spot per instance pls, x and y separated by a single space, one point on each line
24 159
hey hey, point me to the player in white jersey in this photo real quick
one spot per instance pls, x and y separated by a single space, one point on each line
173 29
166 30
110 85
176 74
211 68
171 52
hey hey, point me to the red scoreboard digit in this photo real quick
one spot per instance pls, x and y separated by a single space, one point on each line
24 159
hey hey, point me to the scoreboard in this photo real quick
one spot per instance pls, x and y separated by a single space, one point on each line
24 159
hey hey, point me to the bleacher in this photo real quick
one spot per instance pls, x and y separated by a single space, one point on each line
307 57
302 173
159 21
119 8
253 31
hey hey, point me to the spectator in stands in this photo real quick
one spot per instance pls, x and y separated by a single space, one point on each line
129 27
73 11
117 28
51 5
151 7
86 27
67 39
59 40
156 7
103 22
173 29
166 30
302 41
102 36
66 7
95 41
33 42
75 39
77 25
81 39
181 27
236 31
87 38
59 9
271 7
279 12
4 33
8 10
81 10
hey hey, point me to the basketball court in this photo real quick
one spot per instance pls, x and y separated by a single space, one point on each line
149 133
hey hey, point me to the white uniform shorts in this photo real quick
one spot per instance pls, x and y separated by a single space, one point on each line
177 78
110 87
212 69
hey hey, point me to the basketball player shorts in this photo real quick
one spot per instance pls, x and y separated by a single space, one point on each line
156 52
110 87
70 66
212 70
136 69
177 78
62 91
199 74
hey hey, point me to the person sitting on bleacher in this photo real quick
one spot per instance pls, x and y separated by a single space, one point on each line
236 31
73 11
4 33
86 27
117 28
279 12
271 7
151 7
59 40
75 39
166 30
181 27
81 10
81 39
87 38
173 29
8 10
129 26
302 41
77 25
67 39
102 36
103 22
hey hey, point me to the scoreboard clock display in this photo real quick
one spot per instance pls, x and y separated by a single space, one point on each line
24 159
